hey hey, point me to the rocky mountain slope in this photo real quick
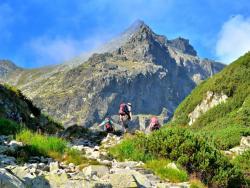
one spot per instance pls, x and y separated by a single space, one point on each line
153 73
220 106
16 107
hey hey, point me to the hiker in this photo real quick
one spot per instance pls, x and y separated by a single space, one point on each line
154 124
109 125
125 114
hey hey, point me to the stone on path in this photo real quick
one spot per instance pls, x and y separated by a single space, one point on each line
54 166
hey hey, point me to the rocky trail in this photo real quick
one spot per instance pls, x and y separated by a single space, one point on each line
41 172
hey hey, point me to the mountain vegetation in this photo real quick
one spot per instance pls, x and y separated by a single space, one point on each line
228 121
197 146
18 111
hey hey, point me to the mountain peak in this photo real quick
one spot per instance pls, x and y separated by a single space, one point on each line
135 27
138 24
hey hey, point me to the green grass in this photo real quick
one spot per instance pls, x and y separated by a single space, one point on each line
128 149
44 144
37 145
8 127
195 183
159 167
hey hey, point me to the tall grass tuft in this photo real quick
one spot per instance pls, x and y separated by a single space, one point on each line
161 169
44 144
56 148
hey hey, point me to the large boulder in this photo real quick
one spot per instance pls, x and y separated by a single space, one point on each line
8 180
98 170
127 178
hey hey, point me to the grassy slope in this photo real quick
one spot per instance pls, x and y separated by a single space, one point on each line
227 122
16 107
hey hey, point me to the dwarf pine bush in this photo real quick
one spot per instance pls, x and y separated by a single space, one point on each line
193 152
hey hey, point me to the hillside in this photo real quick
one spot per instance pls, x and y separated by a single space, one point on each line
152 72
15 107
220 106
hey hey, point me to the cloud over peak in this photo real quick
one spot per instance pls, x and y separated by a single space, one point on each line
234 39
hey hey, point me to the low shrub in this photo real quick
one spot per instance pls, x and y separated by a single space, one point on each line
243 161
190 150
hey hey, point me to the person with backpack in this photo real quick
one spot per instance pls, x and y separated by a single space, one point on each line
125 114
108 124
154 124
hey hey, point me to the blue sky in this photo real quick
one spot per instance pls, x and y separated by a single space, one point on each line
35 33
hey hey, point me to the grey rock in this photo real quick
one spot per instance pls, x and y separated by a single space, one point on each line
211 100
7 160
97 170
7 180
130 164
3 149
54 166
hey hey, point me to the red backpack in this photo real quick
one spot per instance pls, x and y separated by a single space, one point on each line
123 109
154 121
109 126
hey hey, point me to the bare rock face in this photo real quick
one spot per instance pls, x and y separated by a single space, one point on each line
153 73
212 99
183 45
239 150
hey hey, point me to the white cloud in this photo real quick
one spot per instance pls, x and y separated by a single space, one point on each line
53 51
49 51
234 39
